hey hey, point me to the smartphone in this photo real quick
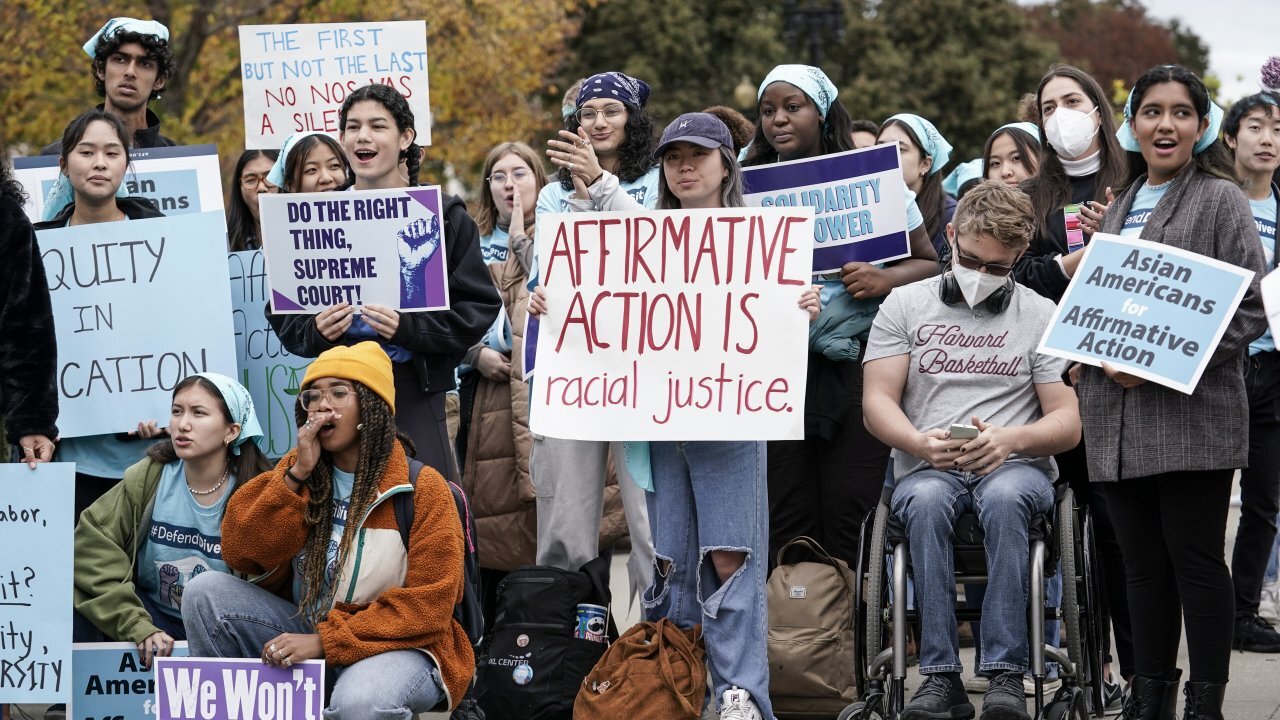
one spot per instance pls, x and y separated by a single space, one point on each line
964 432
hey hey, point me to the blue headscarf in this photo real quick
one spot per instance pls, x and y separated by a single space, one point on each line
126 24
1129 141
276 176
811 80
240 403
963 173
62 194
615 86
931 141
1029 128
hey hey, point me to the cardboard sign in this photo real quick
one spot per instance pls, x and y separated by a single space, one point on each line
674 325
35 582
182 180
297 76
366 246
859 198
140 305
238 689
270 373
109 681
1149 309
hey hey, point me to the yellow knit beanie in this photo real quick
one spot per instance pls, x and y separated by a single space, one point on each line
366 363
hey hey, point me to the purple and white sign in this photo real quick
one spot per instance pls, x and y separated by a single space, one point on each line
360 247
859 198
238 689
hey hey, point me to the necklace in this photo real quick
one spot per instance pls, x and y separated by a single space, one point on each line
213 489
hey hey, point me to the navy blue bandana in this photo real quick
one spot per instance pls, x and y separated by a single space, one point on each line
615 86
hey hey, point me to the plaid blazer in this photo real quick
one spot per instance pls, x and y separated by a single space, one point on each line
1152 429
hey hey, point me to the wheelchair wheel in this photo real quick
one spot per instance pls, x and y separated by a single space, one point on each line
877 582
1097 614
1067 704
1070 588
1079 597
861 711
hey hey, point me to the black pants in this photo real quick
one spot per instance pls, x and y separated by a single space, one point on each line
422 418
824 488
1114 595
1259 483
1172 528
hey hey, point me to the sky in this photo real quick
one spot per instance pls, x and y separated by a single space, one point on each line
1241 35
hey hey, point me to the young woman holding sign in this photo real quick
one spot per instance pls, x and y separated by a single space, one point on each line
343 582
823 486
708 505
94 159
244 223
1165 459
377 135
140 544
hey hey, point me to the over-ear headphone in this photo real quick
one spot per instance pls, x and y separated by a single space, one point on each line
997 302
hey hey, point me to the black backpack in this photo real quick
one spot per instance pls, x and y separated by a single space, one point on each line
467 612
534 665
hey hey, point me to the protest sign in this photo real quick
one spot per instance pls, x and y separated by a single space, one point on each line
364 246
675 325
140 306
182 180
35 582
1271 301
271 374
297 76
859 198
238 689
1149 309
109 682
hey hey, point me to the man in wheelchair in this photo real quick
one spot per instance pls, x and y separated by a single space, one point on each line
945 352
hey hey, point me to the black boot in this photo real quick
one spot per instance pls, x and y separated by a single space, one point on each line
1204 701
1152 698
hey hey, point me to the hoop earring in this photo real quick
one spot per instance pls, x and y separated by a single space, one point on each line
359 427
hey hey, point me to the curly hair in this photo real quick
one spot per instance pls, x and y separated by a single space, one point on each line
995 209
11 188
157 51
394 102
635 153
248 464
487 215
740 128
377 441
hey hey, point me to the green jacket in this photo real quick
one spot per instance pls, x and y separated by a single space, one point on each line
107 540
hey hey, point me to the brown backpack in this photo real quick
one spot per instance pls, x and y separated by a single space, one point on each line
811 639
653 672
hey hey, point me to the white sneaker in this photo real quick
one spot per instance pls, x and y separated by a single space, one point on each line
978 684
738 705
1269 607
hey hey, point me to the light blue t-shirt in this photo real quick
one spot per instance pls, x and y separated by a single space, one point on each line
343 483
1264 214
102 455
830 282
495 246
185 540
1144 203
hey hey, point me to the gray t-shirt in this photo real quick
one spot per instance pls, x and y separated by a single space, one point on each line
965 362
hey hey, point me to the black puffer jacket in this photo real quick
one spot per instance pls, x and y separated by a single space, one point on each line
28 348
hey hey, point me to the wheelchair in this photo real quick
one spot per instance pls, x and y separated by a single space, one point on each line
1065 535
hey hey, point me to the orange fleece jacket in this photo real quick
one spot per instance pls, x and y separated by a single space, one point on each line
263 530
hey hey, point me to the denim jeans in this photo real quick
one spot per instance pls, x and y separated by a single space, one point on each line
228 617
1273 565
713 496
976 593
928 503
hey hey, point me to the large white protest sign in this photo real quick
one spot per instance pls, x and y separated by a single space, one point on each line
270 373
1149 309
677 325
297 76
359 247
859 198
182 180
35 582
140 305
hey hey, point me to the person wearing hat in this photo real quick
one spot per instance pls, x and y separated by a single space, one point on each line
924 152
338 582
1164 459
140 544
132 62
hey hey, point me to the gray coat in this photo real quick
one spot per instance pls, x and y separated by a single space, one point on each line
1152 429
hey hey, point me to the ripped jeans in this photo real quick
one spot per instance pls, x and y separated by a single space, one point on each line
714 496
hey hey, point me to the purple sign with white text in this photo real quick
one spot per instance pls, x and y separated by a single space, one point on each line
238 689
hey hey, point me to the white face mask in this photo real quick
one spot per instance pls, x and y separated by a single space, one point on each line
976 286
1070 131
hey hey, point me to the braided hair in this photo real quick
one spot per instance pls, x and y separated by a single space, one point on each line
377 443
394 102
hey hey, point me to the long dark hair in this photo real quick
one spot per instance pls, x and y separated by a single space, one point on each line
394 102
837 135
248 464
377 443
1214 160
1050 189
932 199
242 229
11 188
1028 147
635 154
297 159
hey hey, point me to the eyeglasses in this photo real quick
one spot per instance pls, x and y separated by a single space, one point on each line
520 175
973 263
249 182
338 395
588 115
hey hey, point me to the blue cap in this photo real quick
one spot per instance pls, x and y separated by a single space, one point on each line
701 129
